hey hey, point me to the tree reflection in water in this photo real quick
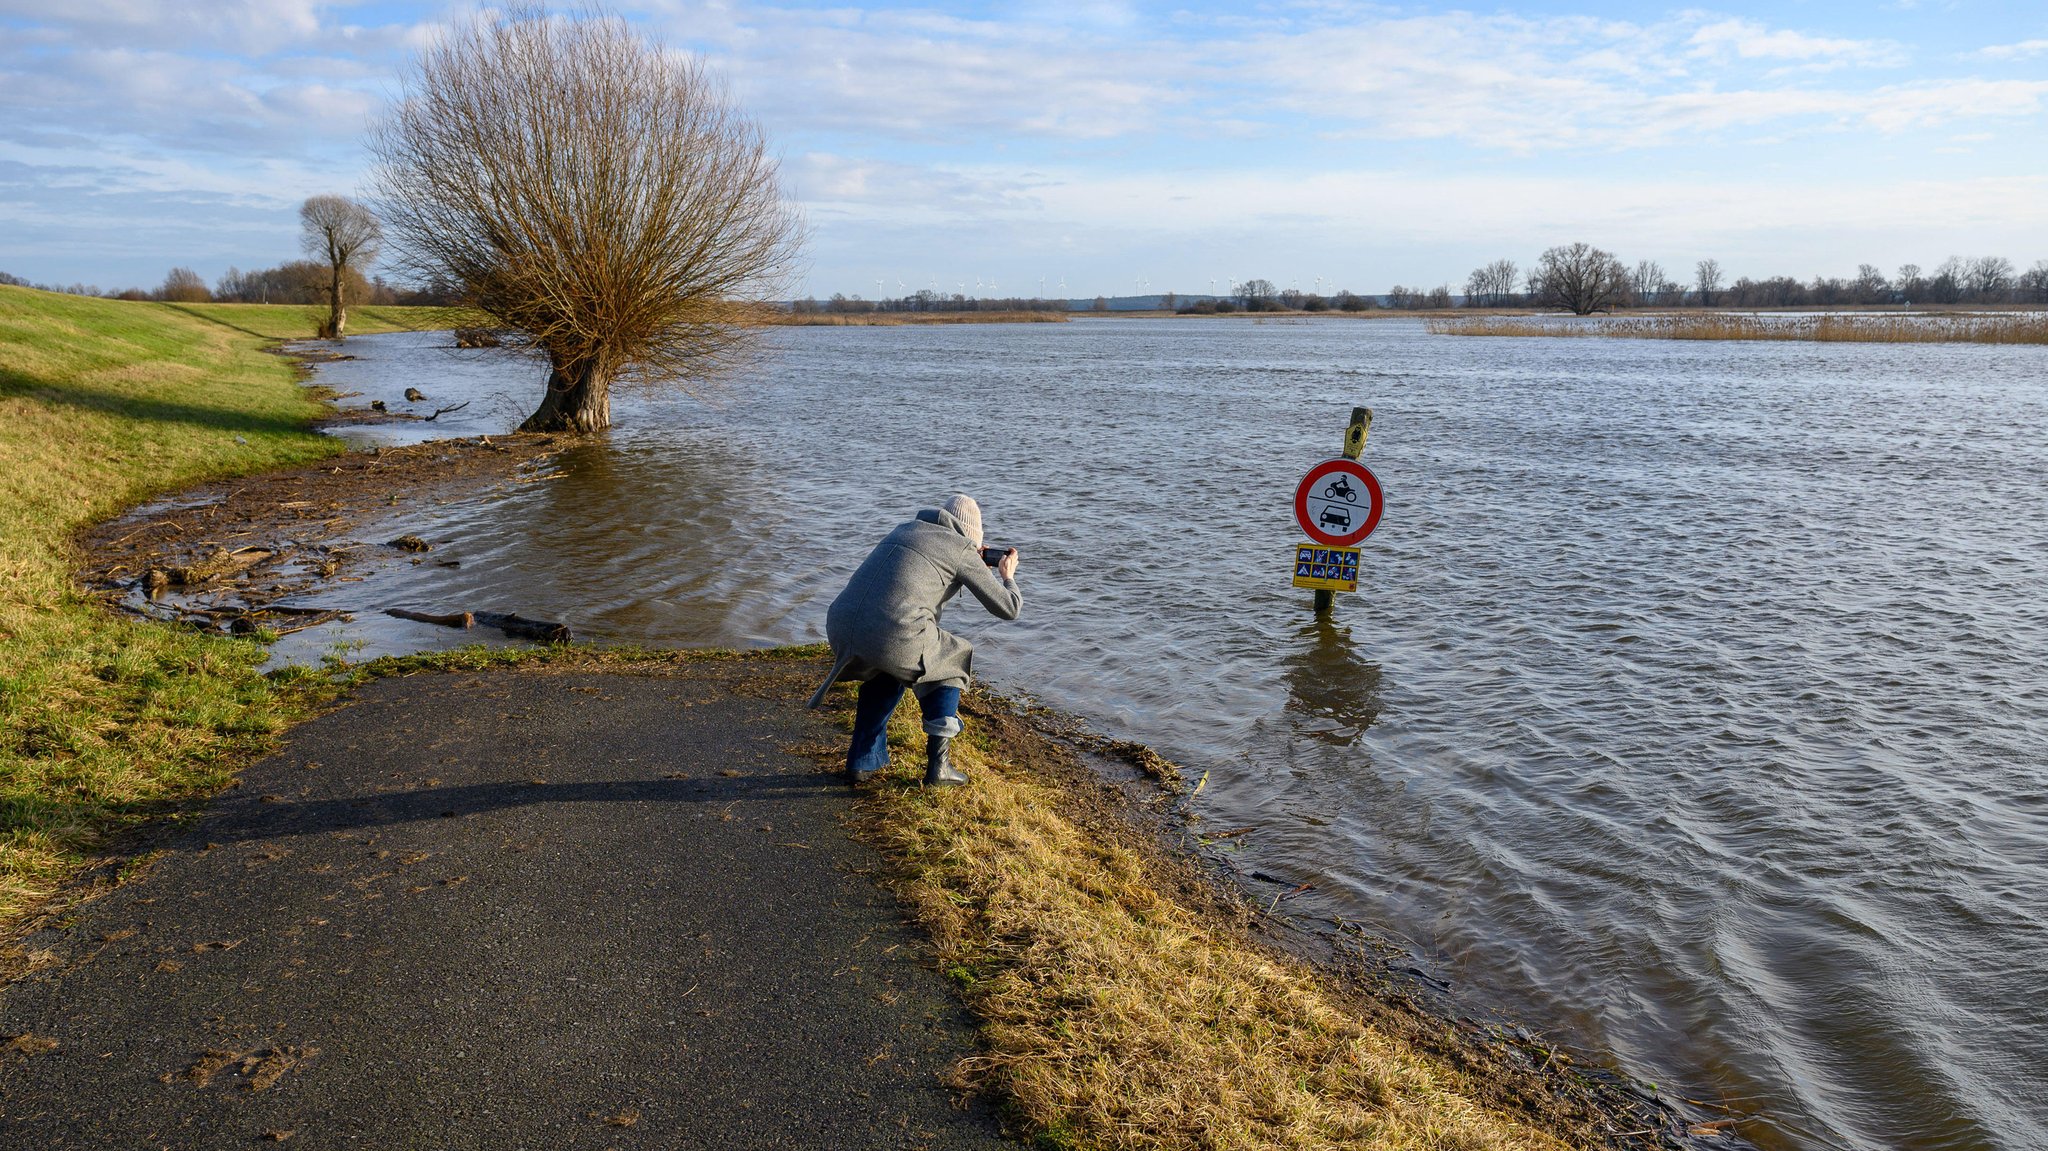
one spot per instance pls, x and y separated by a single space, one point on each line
1333 692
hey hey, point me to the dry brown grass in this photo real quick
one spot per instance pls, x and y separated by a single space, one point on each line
1117 1018
776 317
1910 328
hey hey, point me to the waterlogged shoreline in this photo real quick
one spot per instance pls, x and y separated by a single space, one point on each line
1128 800
1533 845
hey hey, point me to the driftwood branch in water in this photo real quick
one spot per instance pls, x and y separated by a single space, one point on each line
523 628
439 412
516 626
316 621
461 619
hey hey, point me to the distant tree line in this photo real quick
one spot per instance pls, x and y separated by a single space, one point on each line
292 282
925 301
1575 277
1259 295
345 234
1584 279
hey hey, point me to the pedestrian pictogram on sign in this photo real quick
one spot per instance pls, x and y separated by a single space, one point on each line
1326 568
1337 503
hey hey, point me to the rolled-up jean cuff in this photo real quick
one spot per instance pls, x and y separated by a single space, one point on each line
944 727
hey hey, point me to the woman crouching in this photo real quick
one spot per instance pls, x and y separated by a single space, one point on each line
884 630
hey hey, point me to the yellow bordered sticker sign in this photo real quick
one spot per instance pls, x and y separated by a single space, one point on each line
1326 568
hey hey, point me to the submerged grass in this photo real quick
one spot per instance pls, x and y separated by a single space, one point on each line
106 721
1913 328
1118 1019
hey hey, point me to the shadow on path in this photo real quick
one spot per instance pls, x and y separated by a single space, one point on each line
482 912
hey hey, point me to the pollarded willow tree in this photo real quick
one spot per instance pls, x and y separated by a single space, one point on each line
590 188
346 235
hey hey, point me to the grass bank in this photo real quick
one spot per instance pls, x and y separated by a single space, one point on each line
106 721
1912 328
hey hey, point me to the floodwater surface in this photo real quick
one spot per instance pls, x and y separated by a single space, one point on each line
1692 706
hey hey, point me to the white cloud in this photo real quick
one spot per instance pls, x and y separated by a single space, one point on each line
1750 40
923 75
243 26
1535 86
1308 223
1099 132
2023 50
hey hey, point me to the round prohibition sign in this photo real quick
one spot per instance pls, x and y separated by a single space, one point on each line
1338 503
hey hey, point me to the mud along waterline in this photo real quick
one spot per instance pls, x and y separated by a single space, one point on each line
1691 704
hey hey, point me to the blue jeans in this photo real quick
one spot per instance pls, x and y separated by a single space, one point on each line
878 698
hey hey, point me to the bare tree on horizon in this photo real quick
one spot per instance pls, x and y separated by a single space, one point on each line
183 286
593 190
1707 278
1581 278
1490 285
1645 280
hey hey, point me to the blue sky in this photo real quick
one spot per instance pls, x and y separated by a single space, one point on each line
1112 146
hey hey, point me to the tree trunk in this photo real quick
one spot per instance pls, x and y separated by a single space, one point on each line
337 315
579 399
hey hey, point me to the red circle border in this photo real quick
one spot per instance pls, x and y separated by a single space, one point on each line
1331 467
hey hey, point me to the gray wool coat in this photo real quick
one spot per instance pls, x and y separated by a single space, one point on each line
886 622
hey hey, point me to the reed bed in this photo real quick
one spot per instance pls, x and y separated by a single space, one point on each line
1911 328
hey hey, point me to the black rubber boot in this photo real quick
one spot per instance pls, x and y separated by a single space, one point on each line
939 770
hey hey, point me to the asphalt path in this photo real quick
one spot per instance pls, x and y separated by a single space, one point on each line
505 910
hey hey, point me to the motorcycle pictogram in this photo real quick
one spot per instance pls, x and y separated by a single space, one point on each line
1341 490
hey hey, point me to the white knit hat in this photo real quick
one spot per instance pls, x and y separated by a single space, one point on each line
964 509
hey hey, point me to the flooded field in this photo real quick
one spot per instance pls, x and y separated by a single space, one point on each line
1692 706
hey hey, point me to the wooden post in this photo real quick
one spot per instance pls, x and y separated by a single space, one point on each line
1354 436
1354 447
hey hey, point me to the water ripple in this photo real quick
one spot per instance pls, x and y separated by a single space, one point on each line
1691 705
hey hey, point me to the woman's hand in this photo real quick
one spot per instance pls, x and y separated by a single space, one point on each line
1007 566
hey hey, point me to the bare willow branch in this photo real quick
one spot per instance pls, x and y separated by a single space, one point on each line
592 189
1580 277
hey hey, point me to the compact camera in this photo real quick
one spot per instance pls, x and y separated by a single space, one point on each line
993 556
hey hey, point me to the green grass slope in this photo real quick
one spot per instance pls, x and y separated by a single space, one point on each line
104 720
